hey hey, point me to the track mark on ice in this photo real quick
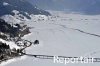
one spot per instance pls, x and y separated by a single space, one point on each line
87 33
64 26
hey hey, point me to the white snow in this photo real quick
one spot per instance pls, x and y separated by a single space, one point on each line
10 19
59 35
37 18
5 4
13 60
11 44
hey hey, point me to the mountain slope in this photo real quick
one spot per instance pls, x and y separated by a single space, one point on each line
21 7
90 7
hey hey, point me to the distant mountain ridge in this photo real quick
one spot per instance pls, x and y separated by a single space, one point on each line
91 7
21 6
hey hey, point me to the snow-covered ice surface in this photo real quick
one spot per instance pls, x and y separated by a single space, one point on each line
65 35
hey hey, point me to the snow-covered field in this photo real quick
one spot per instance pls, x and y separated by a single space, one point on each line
65 35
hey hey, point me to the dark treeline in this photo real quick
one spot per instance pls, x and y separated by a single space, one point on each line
7 28
13 31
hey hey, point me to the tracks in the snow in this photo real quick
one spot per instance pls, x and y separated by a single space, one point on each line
87 33
79 30
63 57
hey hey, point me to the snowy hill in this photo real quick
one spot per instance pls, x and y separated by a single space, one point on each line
13 14
21 8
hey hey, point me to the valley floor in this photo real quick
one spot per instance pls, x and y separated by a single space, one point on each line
64 35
